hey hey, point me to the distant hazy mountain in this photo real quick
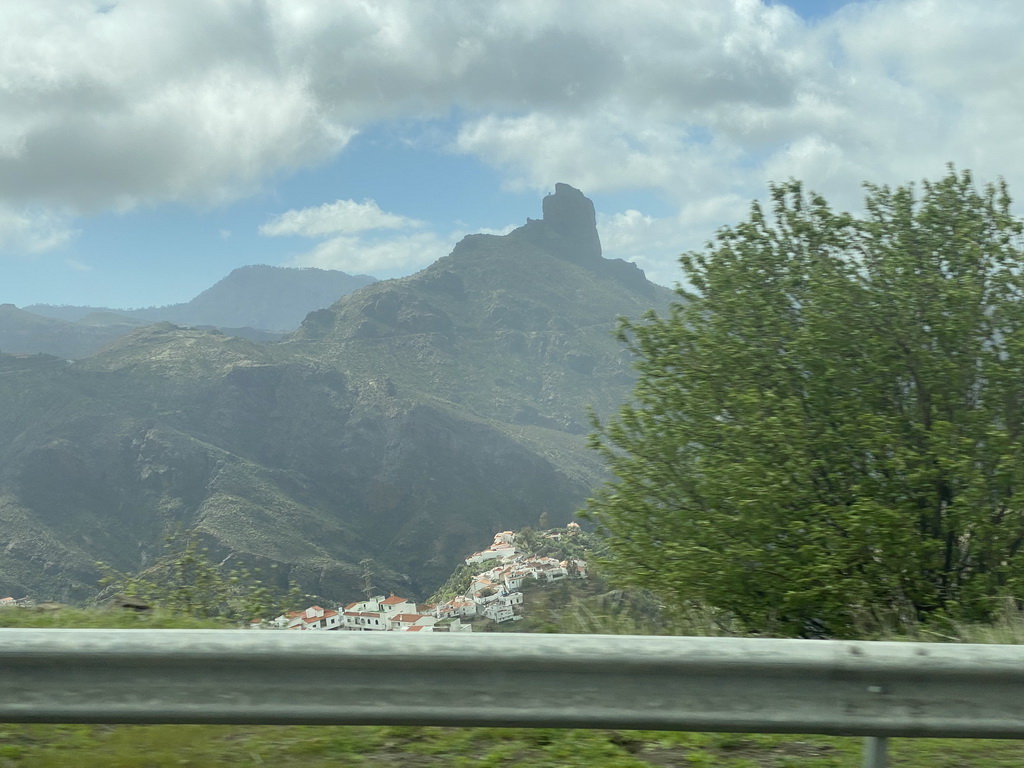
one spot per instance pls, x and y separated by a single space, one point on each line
259 303
267 298
23 332
257 296
389 435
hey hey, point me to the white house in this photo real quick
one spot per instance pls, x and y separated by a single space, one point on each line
481 583
552 573
514 579
486 597
504 537
503 548
370 604
314 617
395 605
487 554
498 613
461 607
452 625
406 622
365 621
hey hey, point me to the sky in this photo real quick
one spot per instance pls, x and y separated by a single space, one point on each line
149 147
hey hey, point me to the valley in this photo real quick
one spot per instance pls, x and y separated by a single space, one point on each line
390 432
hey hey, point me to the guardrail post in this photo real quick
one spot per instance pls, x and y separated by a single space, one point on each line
876 752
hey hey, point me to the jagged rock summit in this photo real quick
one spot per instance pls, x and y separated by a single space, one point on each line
568 230
571 214
571 225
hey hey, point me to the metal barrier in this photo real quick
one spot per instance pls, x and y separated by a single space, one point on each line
570 681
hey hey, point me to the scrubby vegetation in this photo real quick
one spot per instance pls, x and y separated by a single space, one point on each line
186 583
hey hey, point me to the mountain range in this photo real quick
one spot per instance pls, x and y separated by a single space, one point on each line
257 302
392 432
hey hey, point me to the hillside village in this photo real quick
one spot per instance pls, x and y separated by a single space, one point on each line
494 594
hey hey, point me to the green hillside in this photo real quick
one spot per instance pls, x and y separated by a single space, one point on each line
381 441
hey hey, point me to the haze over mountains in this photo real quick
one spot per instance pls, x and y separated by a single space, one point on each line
390 434
257 302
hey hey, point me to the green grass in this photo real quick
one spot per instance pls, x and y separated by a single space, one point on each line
76 618
164 746
160 746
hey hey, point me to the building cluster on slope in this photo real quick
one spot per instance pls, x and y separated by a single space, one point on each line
494 594
15 602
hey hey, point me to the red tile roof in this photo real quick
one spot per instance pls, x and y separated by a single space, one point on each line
409 617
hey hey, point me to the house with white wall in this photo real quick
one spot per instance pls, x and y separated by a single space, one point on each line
395 605
481 557
314 617
504 537
451 625
499 613
511 598
406 622
458 607
364 621
503 547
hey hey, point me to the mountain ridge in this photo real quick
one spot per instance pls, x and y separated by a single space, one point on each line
257 302
377 442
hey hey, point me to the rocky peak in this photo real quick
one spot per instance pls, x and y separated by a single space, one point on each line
568 229
569 214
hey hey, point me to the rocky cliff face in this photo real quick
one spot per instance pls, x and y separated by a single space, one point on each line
568 229
393 432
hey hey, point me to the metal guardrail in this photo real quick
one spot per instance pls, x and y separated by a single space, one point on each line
573 681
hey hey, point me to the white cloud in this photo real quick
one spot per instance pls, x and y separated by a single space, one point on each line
193 101
389 257
30 231
348 248
169 100
341 216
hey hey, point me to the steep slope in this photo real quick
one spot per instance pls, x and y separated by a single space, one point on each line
515 329
393 431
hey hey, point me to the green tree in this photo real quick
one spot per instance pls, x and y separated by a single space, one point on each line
826 432
185 581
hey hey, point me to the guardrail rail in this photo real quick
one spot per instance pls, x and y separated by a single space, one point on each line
848 688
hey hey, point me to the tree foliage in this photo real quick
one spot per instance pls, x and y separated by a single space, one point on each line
826 432
187 582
